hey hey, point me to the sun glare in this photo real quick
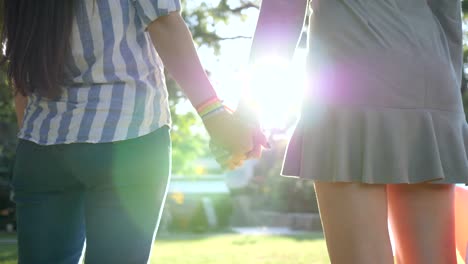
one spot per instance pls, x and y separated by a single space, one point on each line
277 88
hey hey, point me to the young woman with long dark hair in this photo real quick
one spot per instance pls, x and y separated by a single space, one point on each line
93 159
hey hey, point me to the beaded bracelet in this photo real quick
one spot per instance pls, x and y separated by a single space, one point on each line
212 113
207 103
211 107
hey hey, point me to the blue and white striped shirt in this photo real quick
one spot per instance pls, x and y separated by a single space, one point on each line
115 87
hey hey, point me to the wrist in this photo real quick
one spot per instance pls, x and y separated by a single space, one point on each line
201 93
211 107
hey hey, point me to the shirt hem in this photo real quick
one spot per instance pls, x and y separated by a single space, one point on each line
94 140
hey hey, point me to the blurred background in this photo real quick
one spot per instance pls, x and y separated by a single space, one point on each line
250 215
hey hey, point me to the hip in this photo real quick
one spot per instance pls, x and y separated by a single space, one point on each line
139 161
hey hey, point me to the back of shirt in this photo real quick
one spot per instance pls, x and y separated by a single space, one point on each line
387 53
115 87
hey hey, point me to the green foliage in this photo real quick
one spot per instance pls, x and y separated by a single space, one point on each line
6 104
7 121
187 145
465 57
6 100
202 19
271 192
7 114
186 219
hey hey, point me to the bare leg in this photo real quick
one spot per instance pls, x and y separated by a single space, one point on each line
422 219
354 219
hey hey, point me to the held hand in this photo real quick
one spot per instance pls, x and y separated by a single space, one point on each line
227 160
247 116
246 111
232 138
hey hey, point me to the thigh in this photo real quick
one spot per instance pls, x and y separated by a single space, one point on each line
123 208
422 219
49 208
354 219
124 221
50 227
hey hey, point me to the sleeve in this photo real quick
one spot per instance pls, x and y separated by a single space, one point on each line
150 10
449 15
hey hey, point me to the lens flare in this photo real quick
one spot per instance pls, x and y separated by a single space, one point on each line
276 87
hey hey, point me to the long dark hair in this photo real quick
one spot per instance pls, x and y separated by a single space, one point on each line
36 35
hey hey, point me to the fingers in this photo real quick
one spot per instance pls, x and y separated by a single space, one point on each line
234 134
235 162
260 141
219 152
225 159
229 132
246 113
231 162
256 152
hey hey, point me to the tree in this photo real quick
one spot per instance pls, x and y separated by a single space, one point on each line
201 20
7 122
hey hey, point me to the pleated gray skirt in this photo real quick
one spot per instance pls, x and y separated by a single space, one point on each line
379 146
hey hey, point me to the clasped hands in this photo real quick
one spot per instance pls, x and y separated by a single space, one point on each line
235 136
238 136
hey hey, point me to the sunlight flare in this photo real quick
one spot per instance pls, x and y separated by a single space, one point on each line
276 87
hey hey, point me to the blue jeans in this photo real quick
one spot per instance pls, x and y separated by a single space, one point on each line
109 194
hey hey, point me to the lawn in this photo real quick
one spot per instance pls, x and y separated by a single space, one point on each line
243 249
226 249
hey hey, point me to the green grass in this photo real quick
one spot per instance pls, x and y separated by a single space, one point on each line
243 249
226 249
8 254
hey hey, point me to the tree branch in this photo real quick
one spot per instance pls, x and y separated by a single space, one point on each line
209 37
232 38
245 6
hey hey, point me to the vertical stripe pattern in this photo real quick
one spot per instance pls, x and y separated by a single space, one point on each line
115 88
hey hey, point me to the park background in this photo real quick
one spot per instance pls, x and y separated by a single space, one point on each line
251 215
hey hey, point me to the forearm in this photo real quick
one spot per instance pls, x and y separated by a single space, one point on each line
20 106
175 46
279 28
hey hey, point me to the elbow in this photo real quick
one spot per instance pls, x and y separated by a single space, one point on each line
167 21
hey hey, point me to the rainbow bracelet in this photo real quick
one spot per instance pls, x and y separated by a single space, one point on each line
210 107
207 103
